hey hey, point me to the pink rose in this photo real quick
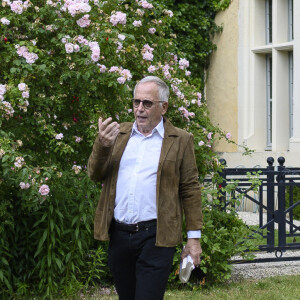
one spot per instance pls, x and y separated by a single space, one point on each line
24 186
5 21
121 80
147 48
137 23
84 21
102 68
25 94
183 63
59 136
44 190
126 74
146 4
76 48
118 17
22 50
17 7
151 69
152 30
121 37
95 57
113 69
147 56
69 47
22 86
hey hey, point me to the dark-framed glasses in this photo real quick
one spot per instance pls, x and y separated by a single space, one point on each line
146 103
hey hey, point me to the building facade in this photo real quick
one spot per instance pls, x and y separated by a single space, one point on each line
253 82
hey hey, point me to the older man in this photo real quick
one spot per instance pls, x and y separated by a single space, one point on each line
150 177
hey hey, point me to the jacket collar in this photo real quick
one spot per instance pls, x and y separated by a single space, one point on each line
170 130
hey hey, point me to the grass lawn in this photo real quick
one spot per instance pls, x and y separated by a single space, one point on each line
275 288
295 239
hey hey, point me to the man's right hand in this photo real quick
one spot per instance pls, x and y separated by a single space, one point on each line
108 131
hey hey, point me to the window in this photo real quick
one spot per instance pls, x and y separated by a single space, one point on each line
291 20
291 83
268 21
269 100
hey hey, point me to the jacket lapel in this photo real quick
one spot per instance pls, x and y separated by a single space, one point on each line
170 134
121 142
169 137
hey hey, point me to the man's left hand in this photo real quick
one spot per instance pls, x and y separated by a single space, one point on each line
192 248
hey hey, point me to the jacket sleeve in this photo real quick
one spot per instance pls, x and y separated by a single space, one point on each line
189 188
98 161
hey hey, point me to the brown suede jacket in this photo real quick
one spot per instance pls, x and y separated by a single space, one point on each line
177 188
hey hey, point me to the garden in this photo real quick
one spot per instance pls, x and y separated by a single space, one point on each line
64 64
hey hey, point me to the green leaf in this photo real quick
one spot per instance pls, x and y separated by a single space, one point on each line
68 256
76 232
42 240
17 62
40 220
4 261
5 158
58 262
75 219
59 213
49 260
79 245
51 224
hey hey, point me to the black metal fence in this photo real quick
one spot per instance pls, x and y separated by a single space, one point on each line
276 183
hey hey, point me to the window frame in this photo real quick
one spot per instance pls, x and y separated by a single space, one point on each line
269 21
269 86
290 20
291 92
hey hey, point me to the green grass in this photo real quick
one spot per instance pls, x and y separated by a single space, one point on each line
275 288
264 241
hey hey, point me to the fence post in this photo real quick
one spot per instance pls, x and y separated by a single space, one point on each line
280 218
223 184
270 203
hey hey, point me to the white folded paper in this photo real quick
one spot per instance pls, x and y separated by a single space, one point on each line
186 267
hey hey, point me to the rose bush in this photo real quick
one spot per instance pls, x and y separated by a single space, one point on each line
64 64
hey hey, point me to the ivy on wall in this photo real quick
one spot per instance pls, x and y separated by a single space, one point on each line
194 26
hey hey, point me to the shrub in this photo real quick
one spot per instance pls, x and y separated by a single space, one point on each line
296 198
224 235
64 64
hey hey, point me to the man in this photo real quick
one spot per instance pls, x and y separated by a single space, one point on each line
149 173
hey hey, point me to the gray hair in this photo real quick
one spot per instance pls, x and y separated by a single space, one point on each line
163 89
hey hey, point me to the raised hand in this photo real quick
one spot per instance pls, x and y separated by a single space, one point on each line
108 131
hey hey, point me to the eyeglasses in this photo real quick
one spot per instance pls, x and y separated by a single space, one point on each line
146 103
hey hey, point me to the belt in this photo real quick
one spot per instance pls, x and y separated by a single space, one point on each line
133 227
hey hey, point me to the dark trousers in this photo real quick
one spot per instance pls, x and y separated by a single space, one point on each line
140 269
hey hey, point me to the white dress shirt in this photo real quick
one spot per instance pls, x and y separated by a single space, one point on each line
136 184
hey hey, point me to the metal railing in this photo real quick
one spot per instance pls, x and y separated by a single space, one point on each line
274 181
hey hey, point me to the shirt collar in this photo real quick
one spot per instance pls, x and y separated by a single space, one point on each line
159 128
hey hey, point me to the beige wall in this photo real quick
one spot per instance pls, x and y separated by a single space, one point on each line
222 77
